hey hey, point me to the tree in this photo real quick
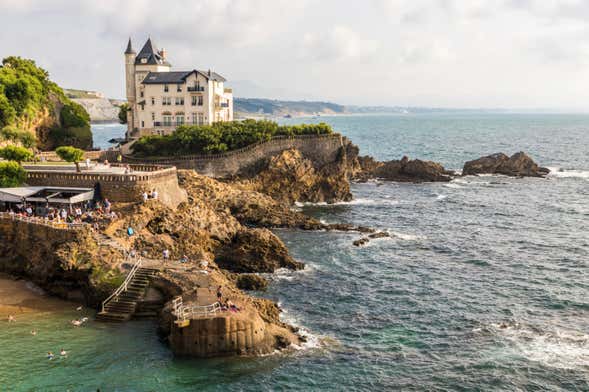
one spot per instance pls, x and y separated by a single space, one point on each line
71 154
16 153
123 109
11 174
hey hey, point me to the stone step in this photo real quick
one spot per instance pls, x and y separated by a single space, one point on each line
145 314
112 317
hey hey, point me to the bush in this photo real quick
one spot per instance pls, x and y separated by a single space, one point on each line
220 137
7 112
74 116
123 109
11 133
80 137
70 154
11 174
16 153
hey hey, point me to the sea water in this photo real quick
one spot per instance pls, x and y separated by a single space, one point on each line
482 285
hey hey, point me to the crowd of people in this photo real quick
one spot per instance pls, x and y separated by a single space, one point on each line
90 212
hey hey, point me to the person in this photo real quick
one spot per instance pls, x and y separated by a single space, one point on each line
50 355
133 253
106 163
184 259
107 206
219 293
119 158
154 194
63 353
166 254
33 332
204 266
130 231
63 214
87 163
11 318
76 323
29 211
144 196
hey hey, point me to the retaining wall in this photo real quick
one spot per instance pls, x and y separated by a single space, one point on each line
118 187
320 149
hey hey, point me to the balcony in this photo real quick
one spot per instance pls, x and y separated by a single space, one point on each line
168 124
224 104
196 89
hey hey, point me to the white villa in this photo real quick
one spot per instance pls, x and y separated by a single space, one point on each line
161 99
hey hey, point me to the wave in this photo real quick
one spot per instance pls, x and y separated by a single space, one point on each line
310 340
568 173
441 197
557 348
289 275
405 236
360 201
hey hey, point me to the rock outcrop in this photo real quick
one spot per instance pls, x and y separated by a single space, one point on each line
99 109
290 177
404 170
518 165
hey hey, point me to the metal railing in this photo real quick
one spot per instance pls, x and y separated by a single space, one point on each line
189 312
123 287
196 88
43 221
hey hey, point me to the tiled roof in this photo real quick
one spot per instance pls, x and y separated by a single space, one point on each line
150 54
178 77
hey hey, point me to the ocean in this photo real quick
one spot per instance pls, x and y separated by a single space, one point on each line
482 285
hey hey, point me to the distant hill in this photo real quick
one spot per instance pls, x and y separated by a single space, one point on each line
271 107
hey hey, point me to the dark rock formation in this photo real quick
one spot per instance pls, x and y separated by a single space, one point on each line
251 282
404 170
255 250
361 241
518 165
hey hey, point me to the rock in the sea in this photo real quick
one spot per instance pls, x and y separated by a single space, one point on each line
251 282
380 234
518 165
255 250
415 170
361 241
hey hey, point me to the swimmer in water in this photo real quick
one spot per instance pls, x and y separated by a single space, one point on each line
50 355
11 318
33 332
63 353
76 323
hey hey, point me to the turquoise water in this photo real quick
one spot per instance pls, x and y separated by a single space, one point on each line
482 286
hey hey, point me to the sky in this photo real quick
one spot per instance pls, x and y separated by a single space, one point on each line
520 54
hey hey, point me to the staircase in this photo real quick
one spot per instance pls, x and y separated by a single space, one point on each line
121 305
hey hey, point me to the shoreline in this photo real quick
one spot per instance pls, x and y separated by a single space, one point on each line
19 296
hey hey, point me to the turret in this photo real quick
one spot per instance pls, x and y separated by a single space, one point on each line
130 85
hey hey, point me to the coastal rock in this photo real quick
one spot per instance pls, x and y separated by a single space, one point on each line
361 241
415 170
255 250
290 177
380 234
518 165
251 282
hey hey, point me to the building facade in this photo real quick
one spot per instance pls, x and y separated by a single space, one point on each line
161 99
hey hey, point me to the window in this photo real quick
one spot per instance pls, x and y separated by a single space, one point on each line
142 124
167 120
141 94
144 61
179 88
180 120
200 119
166 101
194 118
152 101
194 100
200 100
166 89
152 116
179 100
142 106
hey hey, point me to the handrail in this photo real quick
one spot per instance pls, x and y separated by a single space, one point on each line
42 221
188 312
123 287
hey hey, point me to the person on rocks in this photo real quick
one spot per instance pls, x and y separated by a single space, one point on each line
204 266
184 259
11 319
107 206
144 196
219 294
166 255
154 194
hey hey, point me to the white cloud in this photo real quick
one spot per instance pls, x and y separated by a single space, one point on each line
340 43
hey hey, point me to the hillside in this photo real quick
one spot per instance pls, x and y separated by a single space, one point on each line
272 107
35 111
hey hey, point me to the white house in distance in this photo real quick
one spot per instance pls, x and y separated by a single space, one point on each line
161 99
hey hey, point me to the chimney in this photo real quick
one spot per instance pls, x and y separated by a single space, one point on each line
163 53
210 74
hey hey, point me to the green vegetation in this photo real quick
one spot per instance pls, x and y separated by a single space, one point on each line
220 137
16 153
70 154
11 174
15 135
27 95
123 109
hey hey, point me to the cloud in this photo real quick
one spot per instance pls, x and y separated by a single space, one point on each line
338 44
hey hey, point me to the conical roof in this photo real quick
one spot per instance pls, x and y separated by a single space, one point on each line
129 48
149 54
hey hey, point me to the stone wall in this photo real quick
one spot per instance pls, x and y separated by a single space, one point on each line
118 187
232 334
320 149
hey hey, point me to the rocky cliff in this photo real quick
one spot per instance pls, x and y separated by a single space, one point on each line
518 165
99 109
